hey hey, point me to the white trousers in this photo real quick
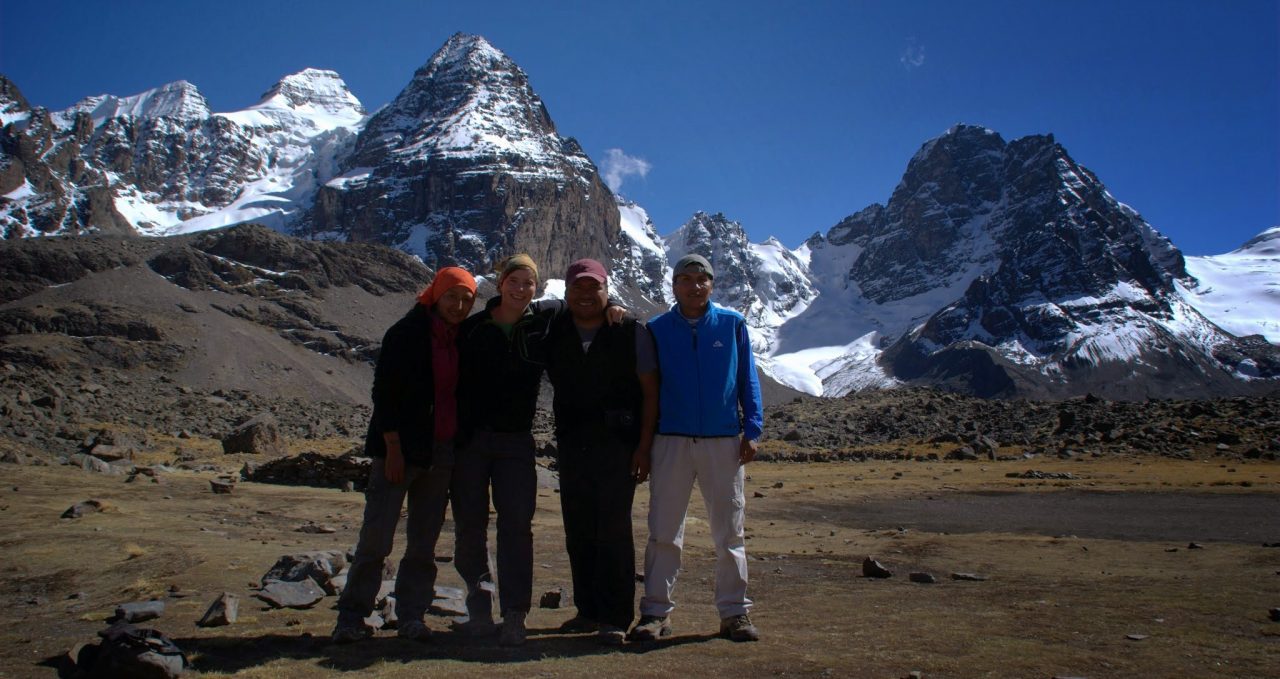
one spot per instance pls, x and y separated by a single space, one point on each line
677 462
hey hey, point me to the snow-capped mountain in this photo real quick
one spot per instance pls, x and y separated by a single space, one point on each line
1240 290
766 282
465 166
160 162
997 268
641 259
1006 268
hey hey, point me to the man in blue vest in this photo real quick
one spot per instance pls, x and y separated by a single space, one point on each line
710 418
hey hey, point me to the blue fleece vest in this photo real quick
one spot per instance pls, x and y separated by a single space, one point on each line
707 372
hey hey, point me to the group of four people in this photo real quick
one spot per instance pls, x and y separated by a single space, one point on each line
454 397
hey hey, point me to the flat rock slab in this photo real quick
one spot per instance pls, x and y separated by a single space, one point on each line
79 509
321 567
139 611
282 594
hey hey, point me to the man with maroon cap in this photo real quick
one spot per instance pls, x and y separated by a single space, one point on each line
606 409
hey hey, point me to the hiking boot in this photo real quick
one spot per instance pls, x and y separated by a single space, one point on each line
578 625
513 631
651 628
349 634
475 627
739 628
414 630
610 635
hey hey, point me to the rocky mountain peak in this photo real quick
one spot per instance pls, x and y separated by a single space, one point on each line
465 167
13 106
766 282
467 57
703 232
314 89
179 101
468 100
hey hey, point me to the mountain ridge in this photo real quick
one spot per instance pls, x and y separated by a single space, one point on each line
998 267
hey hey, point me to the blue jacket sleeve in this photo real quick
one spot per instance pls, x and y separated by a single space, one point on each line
749 388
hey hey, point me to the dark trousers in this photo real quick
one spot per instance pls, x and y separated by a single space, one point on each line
427 490
596 490
505 462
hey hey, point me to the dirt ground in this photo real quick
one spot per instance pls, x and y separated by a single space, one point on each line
1089 577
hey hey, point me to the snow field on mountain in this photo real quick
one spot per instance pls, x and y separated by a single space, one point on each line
1240 290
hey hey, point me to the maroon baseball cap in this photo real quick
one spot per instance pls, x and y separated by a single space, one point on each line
588 268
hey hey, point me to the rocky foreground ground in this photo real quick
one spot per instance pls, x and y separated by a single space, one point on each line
1084 537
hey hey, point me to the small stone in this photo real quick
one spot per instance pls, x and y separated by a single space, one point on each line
758 494
348 486
316 528
221 487
1275 615
139 611
969 577
551 598
1135 637
922 577
874 569
223 611
777 485
388 612
1195 545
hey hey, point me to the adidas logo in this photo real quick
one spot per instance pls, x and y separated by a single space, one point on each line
718 344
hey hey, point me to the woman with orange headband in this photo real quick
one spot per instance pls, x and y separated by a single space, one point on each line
411 442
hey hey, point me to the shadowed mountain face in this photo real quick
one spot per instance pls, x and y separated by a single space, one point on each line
242 308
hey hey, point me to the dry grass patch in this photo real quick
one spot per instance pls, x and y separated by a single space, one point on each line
1052 605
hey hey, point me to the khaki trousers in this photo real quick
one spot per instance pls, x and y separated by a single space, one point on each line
677 462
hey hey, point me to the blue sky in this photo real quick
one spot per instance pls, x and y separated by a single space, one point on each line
784 116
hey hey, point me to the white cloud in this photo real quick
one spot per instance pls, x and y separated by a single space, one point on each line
912 55
617 166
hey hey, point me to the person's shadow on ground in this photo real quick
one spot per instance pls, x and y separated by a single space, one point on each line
232 654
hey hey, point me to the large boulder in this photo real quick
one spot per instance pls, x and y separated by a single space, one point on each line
259 435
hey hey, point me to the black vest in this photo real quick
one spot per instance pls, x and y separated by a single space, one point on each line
597 393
